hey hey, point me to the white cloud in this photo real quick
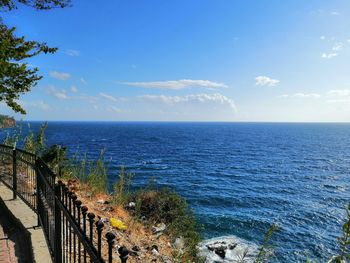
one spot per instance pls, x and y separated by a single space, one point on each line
266 81
301 95
178 84
57 93
334 13
59 75
82 80
322 37
74 89
339 92
337 46
108 97
215 98
115 109
329 55
72 52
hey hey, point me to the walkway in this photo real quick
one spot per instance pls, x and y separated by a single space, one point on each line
23 223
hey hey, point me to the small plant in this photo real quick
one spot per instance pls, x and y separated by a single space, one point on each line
97 178
344 241
12 140
36 144
265 250
121 189
29 142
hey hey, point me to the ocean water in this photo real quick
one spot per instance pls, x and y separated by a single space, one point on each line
239 178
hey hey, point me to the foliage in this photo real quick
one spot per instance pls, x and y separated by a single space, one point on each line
265 249
16 77
97 178
13 139
37 4
36 143
56 157
344 241
121 189
166 206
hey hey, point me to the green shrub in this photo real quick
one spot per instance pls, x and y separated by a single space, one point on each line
166 206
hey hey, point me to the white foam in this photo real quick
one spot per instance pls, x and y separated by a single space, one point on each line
232 255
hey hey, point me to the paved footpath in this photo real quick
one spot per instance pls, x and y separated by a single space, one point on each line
29 220
7 248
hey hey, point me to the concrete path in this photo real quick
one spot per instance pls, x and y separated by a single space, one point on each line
28 219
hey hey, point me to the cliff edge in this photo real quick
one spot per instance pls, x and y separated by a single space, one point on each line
7 122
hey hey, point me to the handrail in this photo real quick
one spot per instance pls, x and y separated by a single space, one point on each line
61 216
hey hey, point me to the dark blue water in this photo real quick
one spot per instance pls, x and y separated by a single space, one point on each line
239 178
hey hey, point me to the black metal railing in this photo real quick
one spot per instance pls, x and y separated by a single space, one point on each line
72 233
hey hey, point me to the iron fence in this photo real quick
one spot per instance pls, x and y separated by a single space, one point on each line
72 233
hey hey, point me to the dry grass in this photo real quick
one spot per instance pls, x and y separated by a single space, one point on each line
137 234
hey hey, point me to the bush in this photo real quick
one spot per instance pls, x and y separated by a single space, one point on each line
166 206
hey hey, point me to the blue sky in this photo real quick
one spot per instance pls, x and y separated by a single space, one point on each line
190 60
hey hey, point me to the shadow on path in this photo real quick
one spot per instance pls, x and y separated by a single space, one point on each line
17 233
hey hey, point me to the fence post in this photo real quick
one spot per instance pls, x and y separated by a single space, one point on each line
110 240
37 172
14 173
58 237
123 254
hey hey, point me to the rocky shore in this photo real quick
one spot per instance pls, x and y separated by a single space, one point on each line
7 122
228 249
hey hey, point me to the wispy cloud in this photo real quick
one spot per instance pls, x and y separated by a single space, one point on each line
178 84
59 75
301 95
337 46
57 93
334 13
72 52
215 98
74 89
339 92
322 37
266 81
82 80
108 97
116 109
329 55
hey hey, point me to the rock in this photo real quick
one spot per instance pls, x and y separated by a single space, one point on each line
179 243
136 248
155 252
133 253
103 202
220 252
155 247
232 246
107 209
166 259
130 205
159 228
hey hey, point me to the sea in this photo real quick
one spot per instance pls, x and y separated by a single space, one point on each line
239 178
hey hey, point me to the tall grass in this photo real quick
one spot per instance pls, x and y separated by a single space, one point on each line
121 188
